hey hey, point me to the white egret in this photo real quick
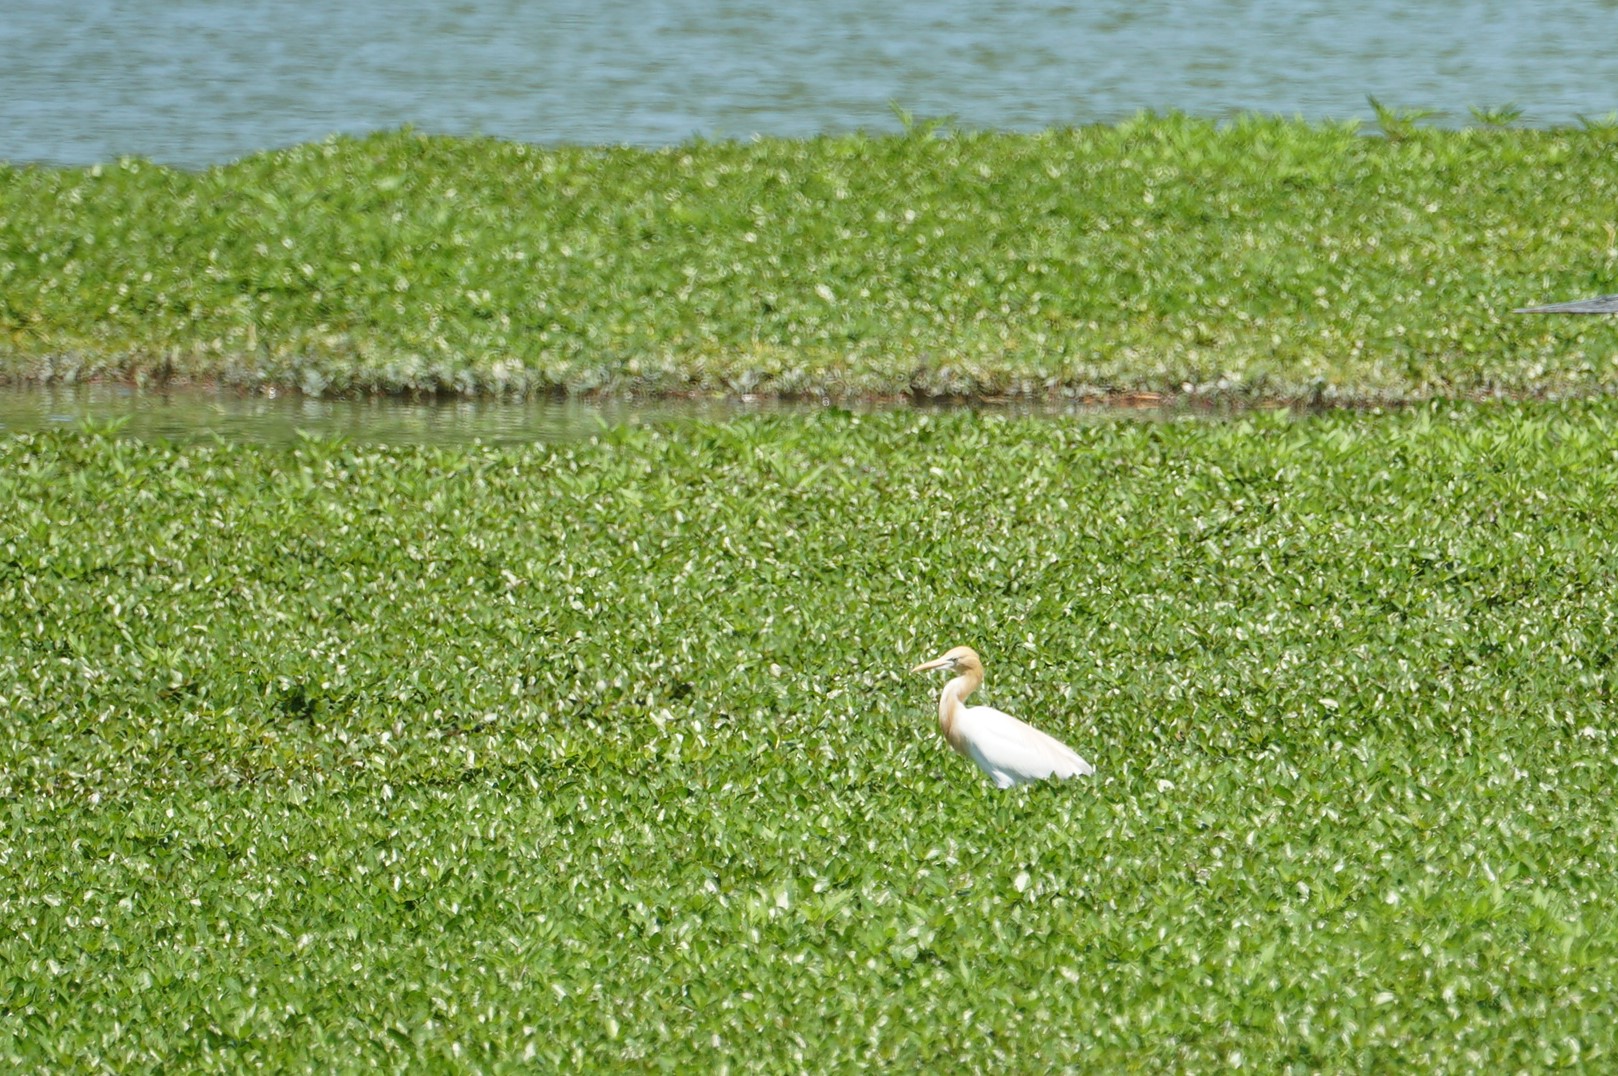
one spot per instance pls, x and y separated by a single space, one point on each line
1010 751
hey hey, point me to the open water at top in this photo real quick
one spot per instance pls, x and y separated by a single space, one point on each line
199 82
193 83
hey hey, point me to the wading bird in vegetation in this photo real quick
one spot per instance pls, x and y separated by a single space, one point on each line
1010 751
1601 304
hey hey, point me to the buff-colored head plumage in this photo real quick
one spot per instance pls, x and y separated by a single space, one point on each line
962 659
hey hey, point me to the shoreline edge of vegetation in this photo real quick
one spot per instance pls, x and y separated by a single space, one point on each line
1257 260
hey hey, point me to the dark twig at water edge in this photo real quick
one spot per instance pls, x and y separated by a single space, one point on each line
1601 304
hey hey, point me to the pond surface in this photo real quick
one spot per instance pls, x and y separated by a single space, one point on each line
199 82
190 414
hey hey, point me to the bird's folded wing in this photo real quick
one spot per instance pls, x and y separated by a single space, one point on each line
1001 743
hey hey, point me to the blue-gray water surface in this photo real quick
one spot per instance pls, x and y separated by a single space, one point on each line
189 414
200 82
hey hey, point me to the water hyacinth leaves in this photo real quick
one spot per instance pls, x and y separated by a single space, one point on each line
1256 259
600 755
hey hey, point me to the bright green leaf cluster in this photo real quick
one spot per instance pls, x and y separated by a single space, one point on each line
601 755
1256 259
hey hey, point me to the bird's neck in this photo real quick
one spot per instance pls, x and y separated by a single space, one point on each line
950 704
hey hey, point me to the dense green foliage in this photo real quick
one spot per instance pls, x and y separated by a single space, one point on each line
1263 258
326 757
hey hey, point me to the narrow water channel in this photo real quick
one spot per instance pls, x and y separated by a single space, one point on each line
188 414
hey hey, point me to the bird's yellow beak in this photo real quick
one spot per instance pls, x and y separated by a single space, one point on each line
944 662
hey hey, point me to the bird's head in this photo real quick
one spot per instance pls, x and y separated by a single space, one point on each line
960 659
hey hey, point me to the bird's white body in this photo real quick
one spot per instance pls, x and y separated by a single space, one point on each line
1010 751
1013 752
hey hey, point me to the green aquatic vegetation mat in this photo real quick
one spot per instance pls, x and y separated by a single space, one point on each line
602 755
1260 258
